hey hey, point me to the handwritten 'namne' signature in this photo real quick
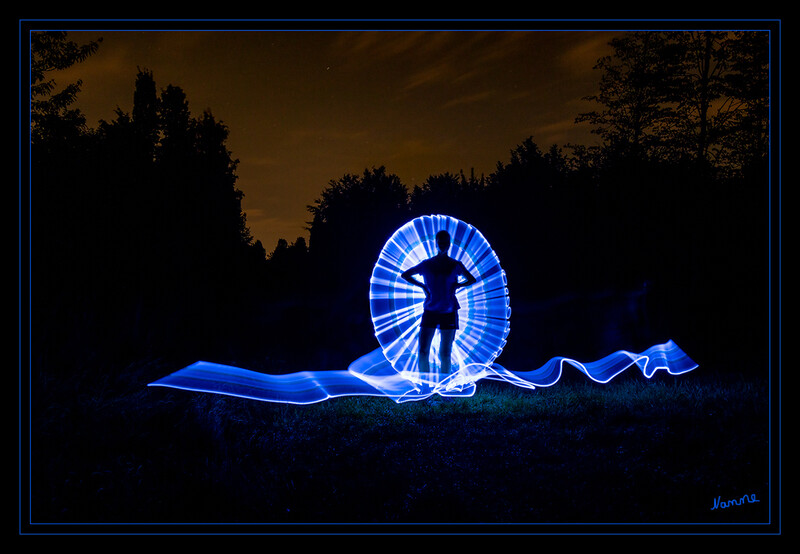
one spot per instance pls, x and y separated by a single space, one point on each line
722 504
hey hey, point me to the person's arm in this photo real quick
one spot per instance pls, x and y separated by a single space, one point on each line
409 276
470 279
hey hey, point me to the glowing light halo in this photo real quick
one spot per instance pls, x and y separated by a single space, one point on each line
396 306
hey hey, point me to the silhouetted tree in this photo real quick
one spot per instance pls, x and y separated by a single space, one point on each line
352 220
145 113
208 255
633 91
61 152
722 97
680 177
455 195
51 116
744 147
139 230
532 219
289 268
62 158
689 96
698 86
531 168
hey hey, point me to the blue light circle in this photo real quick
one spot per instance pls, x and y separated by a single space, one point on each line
396 306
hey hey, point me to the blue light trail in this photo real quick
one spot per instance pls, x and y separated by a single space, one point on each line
396 306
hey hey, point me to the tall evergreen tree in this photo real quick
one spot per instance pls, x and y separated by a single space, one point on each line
145 112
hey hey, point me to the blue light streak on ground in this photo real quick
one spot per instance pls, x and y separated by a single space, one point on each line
373 375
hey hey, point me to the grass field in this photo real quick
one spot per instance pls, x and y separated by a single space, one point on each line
109 450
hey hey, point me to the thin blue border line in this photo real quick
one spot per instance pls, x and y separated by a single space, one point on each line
30 288
779 261
415 20
19 287
770 325
770 254
509 21
770 240
386 30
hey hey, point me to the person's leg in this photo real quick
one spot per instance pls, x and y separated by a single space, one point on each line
425 340
446 349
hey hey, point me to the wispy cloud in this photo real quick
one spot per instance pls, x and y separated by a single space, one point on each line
261 161
382 45
428 76
468 99
300 135
584 52
429 58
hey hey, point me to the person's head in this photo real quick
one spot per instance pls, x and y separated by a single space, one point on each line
443 241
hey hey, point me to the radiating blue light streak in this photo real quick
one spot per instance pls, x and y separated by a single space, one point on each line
396 306
392 370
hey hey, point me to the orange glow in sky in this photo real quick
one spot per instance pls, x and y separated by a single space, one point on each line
307 107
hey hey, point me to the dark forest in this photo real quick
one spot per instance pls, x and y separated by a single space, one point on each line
140 246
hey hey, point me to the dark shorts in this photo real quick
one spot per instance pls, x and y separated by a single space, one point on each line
432 320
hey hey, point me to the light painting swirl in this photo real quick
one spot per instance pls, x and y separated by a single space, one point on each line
392 370
396 306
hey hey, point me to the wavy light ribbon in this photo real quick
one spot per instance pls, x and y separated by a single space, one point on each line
373 375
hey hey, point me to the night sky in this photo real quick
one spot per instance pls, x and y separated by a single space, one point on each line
305 107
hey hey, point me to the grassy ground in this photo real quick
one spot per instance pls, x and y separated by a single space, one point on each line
111 450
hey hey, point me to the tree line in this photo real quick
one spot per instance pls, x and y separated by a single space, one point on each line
139 241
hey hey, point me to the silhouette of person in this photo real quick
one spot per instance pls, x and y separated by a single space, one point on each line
440 275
